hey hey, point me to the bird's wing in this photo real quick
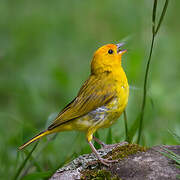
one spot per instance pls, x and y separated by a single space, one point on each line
94 93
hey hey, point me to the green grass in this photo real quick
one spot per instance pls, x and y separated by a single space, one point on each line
45 52
24 162
173 156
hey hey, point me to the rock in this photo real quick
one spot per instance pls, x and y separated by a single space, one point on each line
135 163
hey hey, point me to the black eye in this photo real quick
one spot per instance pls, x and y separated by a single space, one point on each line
110 51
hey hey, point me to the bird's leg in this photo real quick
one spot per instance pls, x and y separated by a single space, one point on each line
103 161
102 143
99 141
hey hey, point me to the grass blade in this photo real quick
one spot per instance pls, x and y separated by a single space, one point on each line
38 154
126 127
162 16
24 162
109 137
171 155
154 32
154 16
133 129
97 146
33 160
176 136
37 175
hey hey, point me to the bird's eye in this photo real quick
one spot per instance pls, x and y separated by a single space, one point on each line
110 51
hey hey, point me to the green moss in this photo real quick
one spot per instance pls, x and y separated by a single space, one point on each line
118 152
98 175
124 151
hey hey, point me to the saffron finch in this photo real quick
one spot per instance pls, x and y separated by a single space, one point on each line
100 101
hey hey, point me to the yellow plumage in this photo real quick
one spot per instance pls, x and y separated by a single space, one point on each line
100 101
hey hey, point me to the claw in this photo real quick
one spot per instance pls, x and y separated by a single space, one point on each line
102 160
103 144
107 161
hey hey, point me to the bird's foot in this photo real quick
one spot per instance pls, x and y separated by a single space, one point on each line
105 146
106 162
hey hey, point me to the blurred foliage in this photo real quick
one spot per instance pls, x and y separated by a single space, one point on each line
45 52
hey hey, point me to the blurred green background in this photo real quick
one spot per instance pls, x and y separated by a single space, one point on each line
45 52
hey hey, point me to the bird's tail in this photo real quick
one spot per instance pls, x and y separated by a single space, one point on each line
35 138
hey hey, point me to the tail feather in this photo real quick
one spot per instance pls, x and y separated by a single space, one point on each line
35 138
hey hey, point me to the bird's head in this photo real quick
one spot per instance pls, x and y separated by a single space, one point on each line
107 58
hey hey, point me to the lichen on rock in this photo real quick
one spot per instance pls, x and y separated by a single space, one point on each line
119 152
134 163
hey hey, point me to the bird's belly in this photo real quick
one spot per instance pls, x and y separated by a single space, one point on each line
93 118
101 117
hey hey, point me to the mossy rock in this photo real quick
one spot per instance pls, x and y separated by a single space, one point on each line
134 162
117 153
98 175
124 151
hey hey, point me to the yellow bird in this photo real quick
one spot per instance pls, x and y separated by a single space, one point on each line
100 101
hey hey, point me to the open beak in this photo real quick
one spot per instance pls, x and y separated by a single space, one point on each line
119 50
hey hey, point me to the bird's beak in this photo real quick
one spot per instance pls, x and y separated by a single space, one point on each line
119 50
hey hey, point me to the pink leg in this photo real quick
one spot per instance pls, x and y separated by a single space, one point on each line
103 161
102 143
99 142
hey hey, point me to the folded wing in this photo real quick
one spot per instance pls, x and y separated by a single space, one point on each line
95 92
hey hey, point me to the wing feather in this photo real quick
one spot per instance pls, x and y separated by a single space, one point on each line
94 93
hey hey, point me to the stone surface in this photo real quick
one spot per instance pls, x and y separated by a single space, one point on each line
150 165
